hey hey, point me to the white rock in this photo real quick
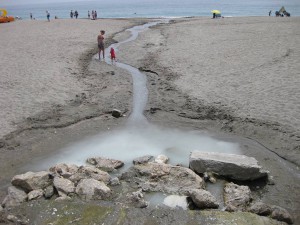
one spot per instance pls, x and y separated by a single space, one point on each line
161 159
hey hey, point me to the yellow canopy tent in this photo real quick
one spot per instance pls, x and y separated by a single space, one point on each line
3 12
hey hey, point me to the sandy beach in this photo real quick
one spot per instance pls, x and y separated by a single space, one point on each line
237 77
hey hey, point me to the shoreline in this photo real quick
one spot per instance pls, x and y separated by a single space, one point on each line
89 114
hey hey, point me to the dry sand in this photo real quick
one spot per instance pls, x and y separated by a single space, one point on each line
40 64
233 75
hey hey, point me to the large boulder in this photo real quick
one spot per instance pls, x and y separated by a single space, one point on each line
32 181
237 198
15 197
63 186
64 170
237 167
203 199
165 178
105 163
88 189
85 172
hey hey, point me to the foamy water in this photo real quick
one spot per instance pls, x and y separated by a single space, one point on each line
130 142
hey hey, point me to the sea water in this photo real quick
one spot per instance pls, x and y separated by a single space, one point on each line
147 8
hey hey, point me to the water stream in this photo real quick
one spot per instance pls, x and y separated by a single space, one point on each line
139 137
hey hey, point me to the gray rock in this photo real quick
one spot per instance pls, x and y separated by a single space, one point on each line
237 167
136 199
35 194
63 198
142 160
203 199
32 181
114 181
166 178
1 208
161 159
85 172
237 198
49 191
64 170
88 189
281 214
18 220
63 186
14 197
105 163
260 208
116 113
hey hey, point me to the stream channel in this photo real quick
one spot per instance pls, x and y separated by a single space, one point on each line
139 138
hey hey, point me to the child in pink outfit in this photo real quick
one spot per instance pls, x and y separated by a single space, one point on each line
112 55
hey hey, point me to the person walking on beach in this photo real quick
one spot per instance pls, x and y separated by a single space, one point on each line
101 44
96 15
71 14
93 15
89 15
48 15
270 12
31 16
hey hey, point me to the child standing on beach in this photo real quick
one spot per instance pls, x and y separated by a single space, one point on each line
112 55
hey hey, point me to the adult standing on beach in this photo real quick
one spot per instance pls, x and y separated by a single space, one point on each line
48 15
96 15
101 43
93 15
71 14
76 14
270 12
31 16
89 15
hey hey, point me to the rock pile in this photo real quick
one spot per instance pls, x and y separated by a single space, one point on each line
93 182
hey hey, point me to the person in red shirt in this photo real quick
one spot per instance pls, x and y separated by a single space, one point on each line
112 55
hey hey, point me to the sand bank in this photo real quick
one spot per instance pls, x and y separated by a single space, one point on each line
234 75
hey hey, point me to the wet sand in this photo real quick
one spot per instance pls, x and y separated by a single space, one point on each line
236 78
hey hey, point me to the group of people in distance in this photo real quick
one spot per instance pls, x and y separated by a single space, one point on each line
74 14
94 15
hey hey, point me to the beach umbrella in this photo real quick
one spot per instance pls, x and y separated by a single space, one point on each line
3 12
216 11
